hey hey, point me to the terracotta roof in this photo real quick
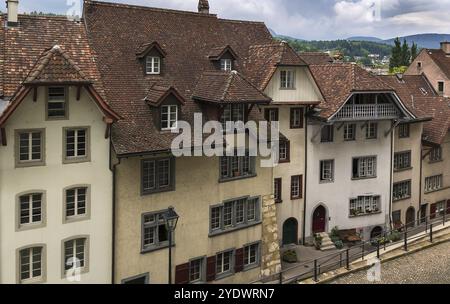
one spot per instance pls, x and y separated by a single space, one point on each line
316 57
2 53
263 61
117 30
227 87
441 59
157 94
145 48
55 66
420 97
338 81
217 52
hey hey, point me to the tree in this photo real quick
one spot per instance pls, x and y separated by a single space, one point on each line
396 54
414 51
406 54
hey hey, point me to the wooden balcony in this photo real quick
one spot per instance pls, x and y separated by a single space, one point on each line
367 111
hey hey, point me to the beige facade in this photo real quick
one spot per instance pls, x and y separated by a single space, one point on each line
197 189
409 145
51 177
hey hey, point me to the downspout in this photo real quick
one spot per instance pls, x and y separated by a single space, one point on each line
391 175
305 179
420 182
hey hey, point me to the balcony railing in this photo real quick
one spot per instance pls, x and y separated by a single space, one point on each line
368 111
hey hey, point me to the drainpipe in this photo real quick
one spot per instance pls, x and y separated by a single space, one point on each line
305 178
420 181
391 174
113 168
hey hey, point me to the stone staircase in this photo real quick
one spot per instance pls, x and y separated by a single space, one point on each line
327 244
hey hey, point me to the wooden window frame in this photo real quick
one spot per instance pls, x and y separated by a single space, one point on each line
202 270
353 127
321 168
301 123
432 158
267 114
66 104
404 131
375 130
398 159
399 184
158 244
278 182
159 189
287 143
288 84
358 159
29 163
257 264
77 159
300 186
231 271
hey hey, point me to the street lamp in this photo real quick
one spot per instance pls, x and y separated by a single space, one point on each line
171 220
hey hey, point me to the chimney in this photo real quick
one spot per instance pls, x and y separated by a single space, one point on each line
203 6
12 9
445 46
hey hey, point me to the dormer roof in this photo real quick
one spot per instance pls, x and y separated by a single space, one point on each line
158 93
218 52
146 48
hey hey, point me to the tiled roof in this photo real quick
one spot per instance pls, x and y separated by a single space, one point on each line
441 59
420 97
157 94
117 30
218 52
2 53
263 61
316 57
227 87
338 81
55 66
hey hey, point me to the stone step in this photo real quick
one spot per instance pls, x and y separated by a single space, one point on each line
326 248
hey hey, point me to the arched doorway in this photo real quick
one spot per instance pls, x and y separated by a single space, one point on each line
376 232
410 217
319 219
290 231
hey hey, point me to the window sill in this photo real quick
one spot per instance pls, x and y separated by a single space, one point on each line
363 178
437 190
251 267
295 198
145 193
403 169
156 248
232 179
223 276
326 182
401 199
284 161
327 142
295 127
278 201
288 89
30 164
68 161
234 229
76 218
31 226
364 214
435 161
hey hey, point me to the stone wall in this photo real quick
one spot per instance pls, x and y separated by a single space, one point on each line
270 254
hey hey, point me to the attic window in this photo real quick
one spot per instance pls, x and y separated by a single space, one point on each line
56 103
226 64
169 117
419 64
153 65
440 87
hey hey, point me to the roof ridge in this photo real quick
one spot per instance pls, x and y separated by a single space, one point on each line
228 84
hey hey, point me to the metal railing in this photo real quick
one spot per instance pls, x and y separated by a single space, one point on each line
368 111
314 268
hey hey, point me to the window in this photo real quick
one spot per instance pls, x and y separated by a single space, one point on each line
371 130
76 203
271 115
137 280
433 183
365 167
403 131
296 118
287 79
224 263
233 113
31 264
419 64
251 255
75 254
234 214
76 145
226 64
232 167
438 209
284 151
153 65
196 270
396 217
436 154
327 134
277 190
296 187
30 148
169 117
56 103
402 190
441 87
349 132
158 175
363 205
31 210
154 231
402 160
327 171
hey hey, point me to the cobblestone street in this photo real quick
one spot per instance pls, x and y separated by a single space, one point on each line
430 266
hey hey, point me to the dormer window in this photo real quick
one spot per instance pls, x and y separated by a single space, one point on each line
56 103
287 79
226 64
419 64
169 117
153 65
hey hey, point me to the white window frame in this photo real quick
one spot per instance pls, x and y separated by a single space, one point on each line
436 154
226 64
248 255
77 157
65 258
365 205
30 224
30 161
31 263
153 65
201 272
220 263
87 203
443 87
154 225
372 130
433 183
349 132
62 100
367 167
326 171
287 79
402 160
401 190
169 123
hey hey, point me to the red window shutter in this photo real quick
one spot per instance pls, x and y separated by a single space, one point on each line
182 274
211 269
448 207
433 211
239 260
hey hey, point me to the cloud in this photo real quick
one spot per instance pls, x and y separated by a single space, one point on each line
318 19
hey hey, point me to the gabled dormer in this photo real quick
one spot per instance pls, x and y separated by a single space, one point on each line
166 103
152 56
223 58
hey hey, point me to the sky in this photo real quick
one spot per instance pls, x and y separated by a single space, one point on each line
305 19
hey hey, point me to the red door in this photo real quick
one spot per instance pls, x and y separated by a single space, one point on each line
319 219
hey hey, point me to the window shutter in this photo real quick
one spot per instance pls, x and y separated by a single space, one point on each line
182 274
433 211
211 269
239 260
